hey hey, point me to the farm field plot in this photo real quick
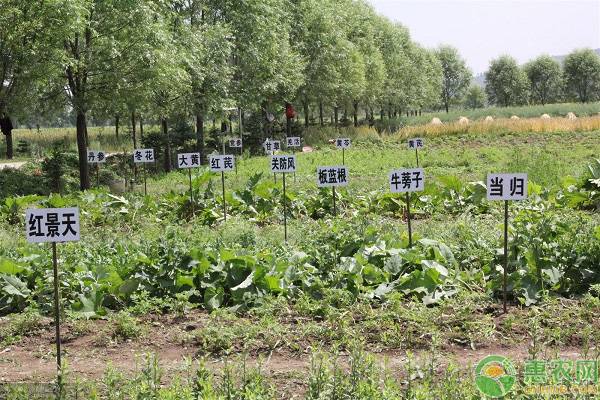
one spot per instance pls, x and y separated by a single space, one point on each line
162 298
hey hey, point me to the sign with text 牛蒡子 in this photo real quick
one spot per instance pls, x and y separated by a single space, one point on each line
507 186
407 180
332 176
52 225
141 156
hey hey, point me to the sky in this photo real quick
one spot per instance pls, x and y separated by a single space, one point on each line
484 29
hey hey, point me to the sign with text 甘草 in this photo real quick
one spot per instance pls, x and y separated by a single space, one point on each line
271 146
283 164
96 157
188 160
223 163
141 156
332 176
407 180
52 225
507 186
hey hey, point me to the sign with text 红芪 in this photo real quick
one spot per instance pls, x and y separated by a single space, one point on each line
283 164
52 225
235 142
96 157
332 176
293 142
141 156
416 143
188 160
343 143
407 180
507 186
222 163
271 146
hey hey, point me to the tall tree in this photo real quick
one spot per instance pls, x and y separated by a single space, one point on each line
456 76
545 79
475 97
505 83
582 74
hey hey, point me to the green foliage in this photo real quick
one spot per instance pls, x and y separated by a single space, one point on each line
545 79
505 83
582 75
456 76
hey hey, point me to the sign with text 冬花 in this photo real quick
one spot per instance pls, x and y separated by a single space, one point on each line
507 186
283 164
223 163
271 146
52 225
141 156
293 142
188 160
96 157
407 180
416 143
332 176
235 142
343 143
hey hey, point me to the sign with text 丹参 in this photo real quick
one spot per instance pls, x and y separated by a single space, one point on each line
283 164
96 157
332 176
343 143
52 225
235 142
271 146
507 186
416 143
224 163
188 160
407 180
141 156
293 142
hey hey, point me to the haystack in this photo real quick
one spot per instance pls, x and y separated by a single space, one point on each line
545 116
514 117
571 116
489 118
436 121
463 121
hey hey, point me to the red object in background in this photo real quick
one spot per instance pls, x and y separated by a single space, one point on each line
289 111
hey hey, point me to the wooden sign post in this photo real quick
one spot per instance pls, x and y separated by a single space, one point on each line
332 177
189 161
283 164
97 158
416 144
144 156
506 187
343 143
407 181
293 143
53 225
222 164
237 143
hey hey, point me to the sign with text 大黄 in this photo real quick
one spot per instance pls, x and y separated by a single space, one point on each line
188 160
47 225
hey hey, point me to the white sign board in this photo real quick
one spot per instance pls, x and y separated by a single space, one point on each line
224 163
332 176
293 142
283 164
141 156
407 180
188 160
272 146
235 142
507 186
96 157
343 143
52 225
416 143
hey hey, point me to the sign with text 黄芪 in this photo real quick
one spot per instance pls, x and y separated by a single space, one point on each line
332 176
407 180
223 163
416 143
235 142
96 157
141 156
188 160
507 186
271 146
52 225
293 142
343 143
283 164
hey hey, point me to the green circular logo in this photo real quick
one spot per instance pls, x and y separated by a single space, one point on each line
495 376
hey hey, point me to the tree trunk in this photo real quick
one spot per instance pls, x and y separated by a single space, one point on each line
381 114
117 119
133 135
141 128
167 146
321 113
356 114
84 178
306 114
390 111
200 135
9 145
447 108
336 115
